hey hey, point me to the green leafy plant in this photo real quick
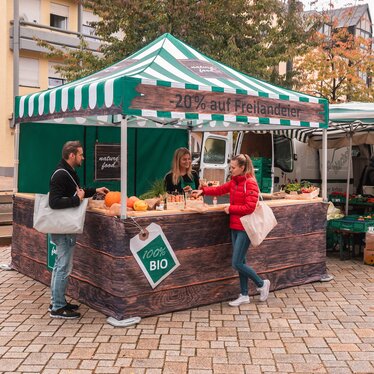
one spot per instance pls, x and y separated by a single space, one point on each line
157 189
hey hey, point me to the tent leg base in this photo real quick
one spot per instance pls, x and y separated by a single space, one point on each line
326 278
123 322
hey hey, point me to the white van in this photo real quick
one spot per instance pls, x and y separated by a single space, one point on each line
289 159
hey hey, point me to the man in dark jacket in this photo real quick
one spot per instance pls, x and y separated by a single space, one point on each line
65 192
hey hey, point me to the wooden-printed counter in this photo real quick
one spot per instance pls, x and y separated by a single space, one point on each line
107 278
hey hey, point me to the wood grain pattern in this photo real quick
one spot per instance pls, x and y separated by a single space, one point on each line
106 276
172 99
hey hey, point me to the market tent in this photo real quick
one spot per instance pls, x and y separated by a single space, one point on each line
350 124
165 80
353 119
170 85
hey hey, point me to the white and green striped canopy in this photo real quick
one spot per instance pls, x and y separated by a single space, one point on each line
354 119
168 83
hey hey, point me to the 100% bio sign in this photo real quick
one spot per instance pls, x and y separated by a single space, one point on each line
156 260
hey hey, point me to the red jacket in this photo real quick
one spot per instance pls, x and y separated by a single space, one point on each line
242 201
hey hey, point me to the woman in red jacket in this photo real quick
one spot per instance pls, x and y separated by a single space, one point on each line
243 190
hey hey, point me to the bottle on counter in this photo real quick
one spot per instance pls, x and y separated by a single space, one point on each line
214 200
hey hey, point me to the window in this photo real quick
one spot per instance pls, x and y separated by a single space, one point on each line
59 16
54 77
283 153
87 18
28 72
214 151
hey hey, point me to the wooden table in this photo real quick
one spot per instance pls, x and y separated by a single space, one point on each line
107 278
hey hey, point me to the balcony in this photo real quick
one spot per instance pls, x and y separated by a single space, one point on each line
59 38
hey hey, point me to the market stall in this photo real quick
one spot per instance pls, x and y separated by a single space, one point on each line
168 84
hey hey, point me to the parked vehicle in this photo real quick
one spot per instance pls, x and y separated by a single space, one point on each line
282 160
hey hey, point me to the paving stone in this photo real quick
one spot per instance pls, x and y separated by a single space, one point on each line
199 363
313 328
361 366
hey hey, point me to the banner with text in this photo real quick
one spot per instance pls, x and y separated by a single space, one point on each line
170 99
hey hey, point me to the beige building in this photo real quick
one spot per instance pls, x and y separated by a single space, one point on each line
59 22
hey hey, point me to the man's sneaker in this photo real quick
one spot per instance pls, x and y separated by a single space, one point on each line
64 313
264 290
68 306
240 300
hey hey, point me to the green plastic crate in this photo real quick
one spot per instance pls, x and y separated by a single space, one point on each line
350 223
337 199
267 183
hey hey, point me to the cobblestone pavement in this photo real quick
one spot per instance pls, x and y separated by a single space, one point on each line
315 328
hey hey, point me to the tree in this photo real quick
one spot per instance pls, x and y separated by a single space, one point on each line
337 69
251 36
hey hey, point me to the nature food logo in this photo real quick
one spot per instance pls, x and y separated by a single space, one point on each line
204 69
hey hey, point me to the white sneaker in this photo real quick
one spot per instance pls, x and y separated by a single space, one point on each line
264 290
240 300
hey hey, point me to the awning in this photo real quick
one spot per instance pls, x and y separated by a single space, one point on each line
169 81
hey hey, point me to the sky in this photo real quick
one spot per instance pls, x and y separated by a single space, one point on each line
324 4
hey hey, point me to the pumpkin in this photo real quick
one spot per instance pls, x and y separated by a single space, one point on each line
112 197
140 205
115 210
131 200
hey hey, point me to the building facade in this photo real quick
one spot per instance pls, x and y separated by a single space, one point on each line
25 67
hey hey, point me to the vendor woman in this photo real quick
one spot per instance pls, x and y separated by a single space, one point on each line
181 176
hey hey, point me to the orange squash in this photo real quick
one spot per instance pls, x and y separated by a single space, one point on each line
131 200
112 197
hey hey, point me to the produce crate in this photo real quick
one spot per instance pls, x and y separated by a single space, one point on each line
350 223
332 238
266 185
337 199
369 249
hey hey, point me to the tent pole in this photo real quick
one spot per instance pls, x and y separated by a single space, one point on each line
16 157
324 165
349 172
124 167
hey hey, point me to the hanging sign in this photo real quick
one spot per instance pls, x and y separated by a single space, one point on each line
51 253
171 99
154 255
107 162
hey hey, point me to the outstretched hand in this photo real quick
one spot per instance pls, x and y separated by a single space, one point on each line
196 193
102 190
80 193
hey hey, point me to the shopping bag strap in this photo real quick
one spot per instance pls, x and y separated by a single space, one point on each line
66 172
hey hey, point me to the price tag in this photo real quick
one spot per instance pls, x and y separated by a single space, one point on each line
154 255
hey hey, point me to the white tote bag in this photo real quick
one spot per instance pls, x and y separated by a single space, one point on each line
258 224
58 221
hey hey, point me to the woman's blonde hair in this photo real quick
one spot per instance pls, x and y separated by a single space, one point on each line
175 166
245 160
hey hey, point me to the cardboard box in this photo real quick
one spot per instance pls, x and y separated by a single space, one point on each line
369 249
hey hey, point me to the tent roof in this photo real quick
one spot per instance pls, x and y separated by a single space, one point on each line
347 118
203 90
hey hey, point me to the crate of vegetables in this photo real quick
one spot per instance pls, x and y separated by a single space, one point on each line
353 223
174 202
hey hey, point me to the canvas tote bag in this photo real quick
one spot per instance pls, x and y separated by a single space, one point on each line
258 224
58 221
